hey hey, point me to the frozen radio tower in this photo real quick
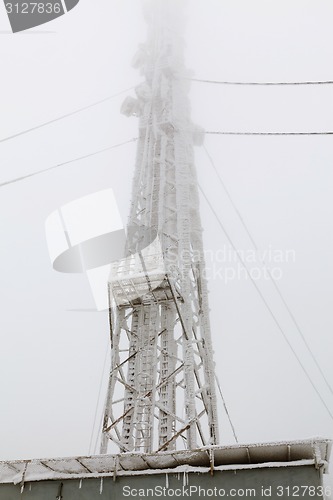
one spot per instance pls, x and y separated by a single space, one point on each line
161 393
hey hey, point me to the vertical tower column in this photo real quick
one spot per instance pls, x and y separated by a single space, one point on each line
161 392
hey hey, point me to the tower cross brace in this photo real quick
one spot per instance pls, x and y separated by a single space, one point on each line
161 393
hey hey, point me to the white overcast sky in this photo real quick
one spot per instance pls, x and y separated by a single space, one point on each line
52 354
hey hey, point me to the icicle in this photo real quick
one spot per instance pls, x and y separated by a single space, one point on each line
101 487
185 479
23 477
30 487
80 484
167 481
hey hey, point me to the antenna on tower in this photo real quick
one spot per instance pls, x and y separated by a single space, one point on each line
161 393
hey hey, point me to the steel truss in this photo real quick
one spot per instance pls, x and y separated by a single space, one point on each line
161 393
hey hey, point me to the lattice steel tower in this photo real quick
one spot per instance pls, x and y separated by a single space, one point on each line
161 393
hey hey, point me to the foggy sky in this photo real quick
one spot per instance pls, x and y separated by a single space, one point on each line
52 354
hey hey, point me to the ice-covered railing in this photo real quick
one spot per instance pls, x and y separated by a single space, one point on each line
138 276
281 454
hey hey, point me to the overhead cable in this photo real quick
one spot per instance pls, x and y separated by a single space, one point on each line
67 115
107 350
310 82
214 132
226 408
18 179
265 302
277 288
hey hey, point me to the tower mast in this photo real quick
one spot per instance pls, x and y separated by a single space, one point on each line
161 393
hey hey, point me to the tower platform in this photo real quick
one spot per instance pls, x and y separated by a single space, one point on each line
276 470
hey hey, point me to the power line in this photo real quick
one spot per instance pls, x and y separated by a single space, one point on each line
96 103
226 409
277 288
264 301
216 82
97 434
101 101
98 399
18 179
268 133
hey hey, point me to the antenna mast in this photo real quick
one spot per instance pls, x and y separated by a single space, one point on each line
161 393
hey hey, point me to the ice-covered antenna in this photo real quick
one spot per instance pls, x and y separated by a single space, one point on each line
161 393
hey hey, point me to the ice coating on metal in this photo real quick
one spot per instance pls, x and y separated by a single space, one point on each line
236 457
161 393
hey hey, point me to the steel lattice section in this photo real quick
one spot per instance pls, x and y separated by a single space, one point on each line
161 392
